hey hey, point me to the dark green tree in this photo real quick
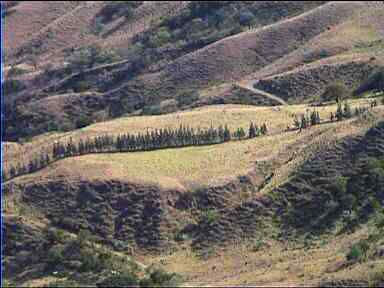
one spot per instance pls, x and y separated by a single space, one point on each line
339 112
227 134
252 133
347 111
263 129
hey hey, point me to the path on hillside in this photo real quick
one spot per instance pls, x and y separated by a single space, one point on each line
250 85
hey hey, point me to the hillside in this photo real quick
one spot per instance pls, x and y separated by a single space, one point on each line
173 72
170 192
193 143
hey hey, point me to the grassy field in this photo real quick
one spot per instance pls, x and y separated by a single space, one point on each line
174 168
191 167
276 118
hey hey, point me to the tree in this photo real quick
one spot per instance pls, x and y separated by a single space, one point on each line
296 122
335 92
240 134
347 112
339 112
227 134
304 122
252 133
264 129
315 118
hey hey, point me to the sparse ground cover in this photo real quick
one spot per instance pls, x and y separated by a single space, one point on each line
272 263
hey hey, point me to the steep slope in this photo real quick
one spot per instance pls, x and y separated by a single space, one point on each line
237 56
308 83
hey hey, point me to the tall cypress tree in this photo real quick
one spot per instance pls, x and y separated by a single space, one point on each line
227 134
252 131
264 129
347 112
339 112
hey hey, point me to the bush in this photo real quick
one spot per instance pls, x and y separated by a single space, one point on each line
358 251
245 17
159 278
160 38
55 257
63 283
115 9
87 57
341 186
82 121
374 83
187 97
335 92
210 216
126 279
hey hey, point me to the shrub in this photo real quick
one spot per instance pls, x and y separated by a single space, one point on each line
209 216
336 91
374 83
187 97
126 279
115 9
323 53
55 256
63 283
87 57
82 121
245 17
358 251
52 126
160 278
161 37
341 185
91 261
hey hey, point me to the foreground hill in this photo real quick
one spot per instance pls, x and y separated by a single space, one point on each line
154 201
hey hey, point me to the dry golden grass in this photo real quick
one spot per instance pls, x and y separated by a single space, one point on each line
276 118
185 168
172 168
275 264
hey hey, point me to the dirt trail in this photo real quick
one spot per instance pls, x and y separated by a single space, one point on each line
250 85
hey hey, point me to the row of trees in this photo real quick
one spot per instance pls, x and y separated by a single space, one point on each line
307 120
151 140
343 112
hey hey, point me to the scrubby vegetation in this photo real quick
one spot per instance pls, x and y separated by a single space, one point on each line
116 9
88 57
374 83
82 261
335 92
